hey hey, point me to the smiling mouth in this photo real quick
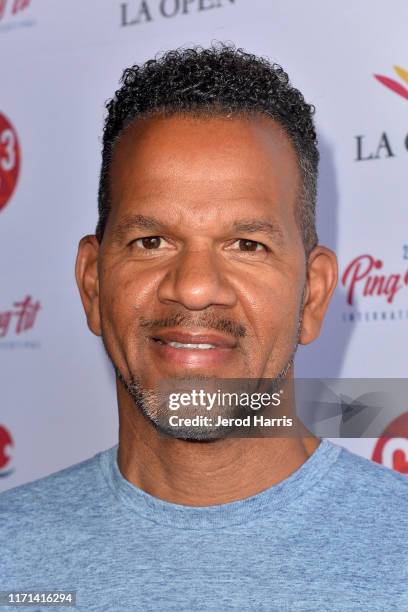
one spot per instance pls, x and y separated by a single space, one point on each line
189 346
201 340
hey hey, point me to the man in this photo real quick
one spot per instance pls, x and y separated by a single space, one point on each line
205 266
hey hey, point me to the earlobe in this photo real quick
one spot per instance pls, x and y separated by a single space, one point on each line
86 273
321 281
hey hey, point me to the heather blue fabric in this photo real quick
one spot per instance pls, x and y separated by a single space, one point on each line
332 536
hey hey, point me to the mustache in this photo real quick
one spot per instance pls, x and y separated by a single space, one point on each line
206 320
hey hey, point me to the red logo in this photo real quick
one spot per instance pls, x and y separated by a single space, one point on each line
392 448
363 274
5 442
23 315
9 160
394 85
16 6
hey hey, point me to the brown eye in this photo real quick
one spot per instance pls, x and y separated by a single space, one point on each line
249 245
149 242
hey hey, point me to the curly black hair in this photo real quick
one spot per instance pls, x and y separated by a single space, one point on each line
221 79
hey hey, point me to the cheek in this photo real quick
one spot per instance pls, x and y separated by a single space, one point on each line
126 295
280 325
280 318
272 307
127 290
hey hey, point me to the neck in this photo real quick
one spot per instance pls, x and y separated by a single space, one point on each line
203 473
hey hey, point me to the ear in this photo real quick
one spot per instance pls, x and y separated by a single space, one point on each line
322 272
86 273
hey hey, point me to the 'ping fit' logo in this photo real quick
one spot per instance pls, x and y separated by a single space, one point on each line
394 85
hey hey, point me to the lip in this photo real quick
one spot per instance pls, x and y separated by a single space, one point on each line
192 357
188 337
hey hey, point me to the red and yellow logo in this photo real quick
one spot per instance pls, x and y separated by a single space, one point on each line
394 85
391 449
9 159
6 443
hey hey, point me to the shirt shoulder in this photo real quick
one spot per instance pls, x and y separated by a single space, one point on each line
371 478
62 492
365 491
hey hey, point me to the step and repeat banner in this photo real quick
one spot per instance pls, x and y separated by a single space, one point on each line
60 61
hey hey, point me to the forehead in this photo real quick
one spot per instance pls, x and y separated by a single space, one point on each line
202 162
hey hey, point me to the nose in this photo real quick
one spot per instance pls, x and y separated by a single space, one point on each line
196 280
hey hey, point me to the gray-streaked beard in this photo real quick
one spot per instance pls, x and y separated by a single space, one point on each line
154 403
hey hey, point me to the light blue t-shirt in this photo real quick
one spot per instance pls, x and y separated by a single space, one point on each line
332 537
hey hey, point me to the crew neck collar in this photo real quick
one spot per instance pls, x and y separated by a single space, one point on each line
237 512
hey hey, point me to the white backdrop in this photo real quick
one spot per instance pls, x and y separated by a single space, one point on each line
60 61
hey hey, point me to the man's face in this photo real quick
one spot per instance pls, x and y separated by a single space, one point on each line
201 273
202 266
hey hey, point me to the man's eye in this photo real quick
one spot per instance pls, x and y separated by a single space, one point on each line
148 242
250 245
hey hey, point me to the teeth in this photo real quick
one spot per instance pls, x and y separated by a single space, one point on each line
190 346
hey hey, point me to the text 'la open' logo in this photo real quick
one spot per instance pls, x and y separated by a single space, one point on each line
385 145
134 12
6 443
9 160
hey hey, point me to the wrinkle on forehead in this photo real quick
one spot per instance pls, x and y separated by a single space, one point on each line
201 164
191 140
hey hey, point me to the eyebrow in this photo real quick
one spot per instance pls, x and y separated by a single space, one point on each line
252 226
246 226
131 222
